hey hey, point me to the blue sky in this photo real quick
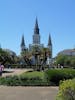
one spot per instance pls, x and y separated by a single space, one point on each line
56 17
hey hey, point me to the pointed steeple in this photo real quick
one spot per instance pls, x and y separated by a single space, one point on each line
50 46
0 46
36 28
36 24
49 41
23 44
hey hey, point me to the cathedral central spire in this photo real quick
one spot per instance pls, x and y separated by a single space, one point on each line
36 28
36 24
36 35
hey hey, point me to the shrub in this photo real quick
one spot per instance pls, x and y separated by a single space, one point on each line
55 75
66 90
26 79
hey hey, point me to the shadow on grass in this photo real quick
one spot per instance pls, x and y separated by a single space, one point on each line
29 71
8 71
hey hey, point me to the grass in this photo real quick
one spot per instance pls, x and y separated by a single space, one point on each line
36 78
34 74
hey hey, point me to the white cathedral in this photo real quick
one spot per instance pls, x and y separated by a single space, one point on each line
36 41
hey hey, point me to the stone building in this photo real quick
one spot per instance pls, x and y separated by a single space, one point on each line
68 52
36 42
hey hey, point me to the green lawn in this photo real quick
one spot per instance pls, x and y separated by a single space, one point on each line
34 74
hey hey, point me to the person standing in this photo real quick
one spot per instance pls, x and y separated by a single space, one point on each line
2 66
1 69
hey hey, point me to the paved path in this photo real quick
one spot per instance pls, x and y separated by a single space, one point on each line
28 93
14 71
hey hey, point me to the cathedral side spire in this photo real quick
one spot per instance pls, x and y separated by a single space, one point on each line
22 44
50 45
49 41
0 46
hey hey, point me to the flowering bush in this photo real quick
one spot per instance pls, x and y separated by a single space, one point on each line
66 90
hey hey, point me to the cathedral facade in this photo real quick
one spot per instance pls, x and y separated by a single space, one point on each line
36 41
36 38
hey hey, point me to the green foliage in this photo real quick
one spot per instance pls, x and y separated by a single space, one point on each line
66 90
40 55
34 78
60 59
33 74
55 75
28 79
6 57
73 62
65 60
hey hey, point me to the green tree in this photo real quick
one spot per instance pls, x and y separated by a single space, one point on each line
60 59
67 61
73 62
6 57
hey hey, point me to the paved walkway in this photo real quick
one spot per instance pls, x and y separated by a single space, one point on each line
28 93
15 71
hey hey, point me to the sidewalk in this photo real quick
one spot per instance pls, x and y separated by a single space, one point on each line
28 93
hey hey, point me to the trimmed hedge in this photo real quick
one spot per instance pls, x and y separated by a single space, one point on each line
26 79
16 66
50 77
66 90
55 75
